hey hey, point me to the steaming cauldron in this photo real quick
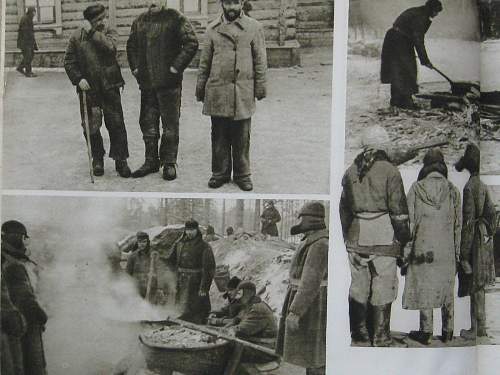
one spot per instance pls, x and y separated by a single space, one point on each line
209 359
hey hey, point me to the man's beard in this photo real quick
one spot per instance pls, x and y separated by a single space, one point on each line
231 15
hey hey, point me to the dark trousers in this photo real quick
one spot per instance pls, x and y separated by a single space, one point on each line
107 104
400 97
230 147
164 103
447 318
25 63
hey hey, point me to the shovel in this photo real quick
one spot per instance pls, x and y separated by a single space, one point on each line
457 88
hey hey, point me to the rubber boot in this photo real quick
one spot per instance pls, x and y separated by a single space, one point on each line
382 327
169 172
357 320
152 162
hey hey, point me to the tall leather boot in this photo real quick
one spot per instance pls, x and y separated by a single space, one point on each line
382 326
357 321
152 162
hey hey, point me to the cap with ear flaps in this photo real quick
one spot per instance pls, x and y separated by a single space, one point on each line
14 227
312 217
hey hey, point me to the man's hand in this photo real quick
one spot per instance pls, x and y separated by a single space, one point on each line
87 26
173 70
202 293
292 321
84 85
428 65
135 72
260 94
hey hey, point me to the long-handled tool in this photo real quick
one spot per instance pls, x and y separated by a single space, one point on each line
87 133
221 335
458 88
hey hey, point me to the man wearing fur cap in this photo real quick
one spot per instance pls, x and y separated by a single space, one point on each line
375 225
91 66
194 263
16 270
477 269
302 329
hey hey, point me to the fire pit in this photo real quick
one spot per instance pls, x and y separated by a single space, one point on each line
175 348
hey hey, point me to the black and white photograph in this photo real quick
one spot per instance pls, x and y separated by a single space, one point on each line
420 251
413 69
174 95
490 82
155 286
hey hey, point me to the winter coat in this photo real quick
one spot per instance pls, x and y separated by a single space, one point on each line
307 298
378 197
13 328
479 222
26 34
93 57
157 42
398 51
256 321
138 266
17 280
195 267
434 205
269 218
232 70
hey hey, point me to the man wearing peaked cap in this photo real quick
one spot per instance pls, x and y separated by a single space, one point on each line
302 329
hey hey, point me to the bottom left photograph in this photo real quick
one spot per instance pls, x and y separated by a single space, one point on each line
157 286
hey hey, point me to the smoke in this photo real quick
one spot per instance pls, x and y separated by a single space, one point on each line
93 315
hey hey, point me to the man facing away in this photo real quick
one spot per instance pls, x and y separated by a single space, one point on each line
91 66
232 73
26 42
375 225
161 45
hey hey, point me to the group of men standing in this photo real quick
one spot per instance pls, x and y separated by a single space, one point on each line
161 45
428 233
23 319
300 336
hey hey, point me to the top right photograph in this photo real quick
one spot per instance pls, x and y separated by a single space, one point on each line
415 78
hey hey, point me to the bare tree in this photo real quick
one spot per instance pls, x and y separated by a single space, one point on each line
257 213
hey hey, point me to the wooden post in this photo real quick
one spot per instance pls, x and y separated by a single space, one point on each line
112 13
282 28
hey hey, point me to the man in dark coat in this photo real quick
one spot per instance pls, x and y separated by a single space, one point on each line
477 262
26 42
375 225
269 218
161 45
16 277
139 265
91 66
399 67
302 330
194 263
13 328
231 75
227 314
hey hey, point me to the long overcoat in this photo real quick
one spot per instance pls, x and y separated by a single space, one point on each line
195 268
399 66
307 298
479 221
434 207
18 282
270 217
26 34
232 70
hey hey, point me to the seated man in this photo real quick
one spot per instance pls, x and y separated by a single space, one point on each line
226 315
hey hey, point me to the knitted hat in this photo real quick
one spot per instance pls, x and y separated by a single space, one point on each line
94 11
471 159
315 209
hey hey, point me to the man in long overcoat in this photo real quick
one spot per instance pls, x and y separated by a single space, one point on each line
232 73
160 47
13 328
374 217
194 263
269 218
434 206
26 42
91 66
399 67
16 277
302 329
477 262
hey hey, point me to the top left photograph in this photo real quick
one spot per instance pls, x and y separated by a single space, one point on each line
196 96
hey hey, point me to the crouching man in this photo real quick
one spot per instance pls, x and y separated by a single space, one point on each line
91 65
232 73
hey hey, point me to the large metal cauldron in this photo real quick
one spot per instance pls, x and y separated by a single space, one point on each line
204 359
